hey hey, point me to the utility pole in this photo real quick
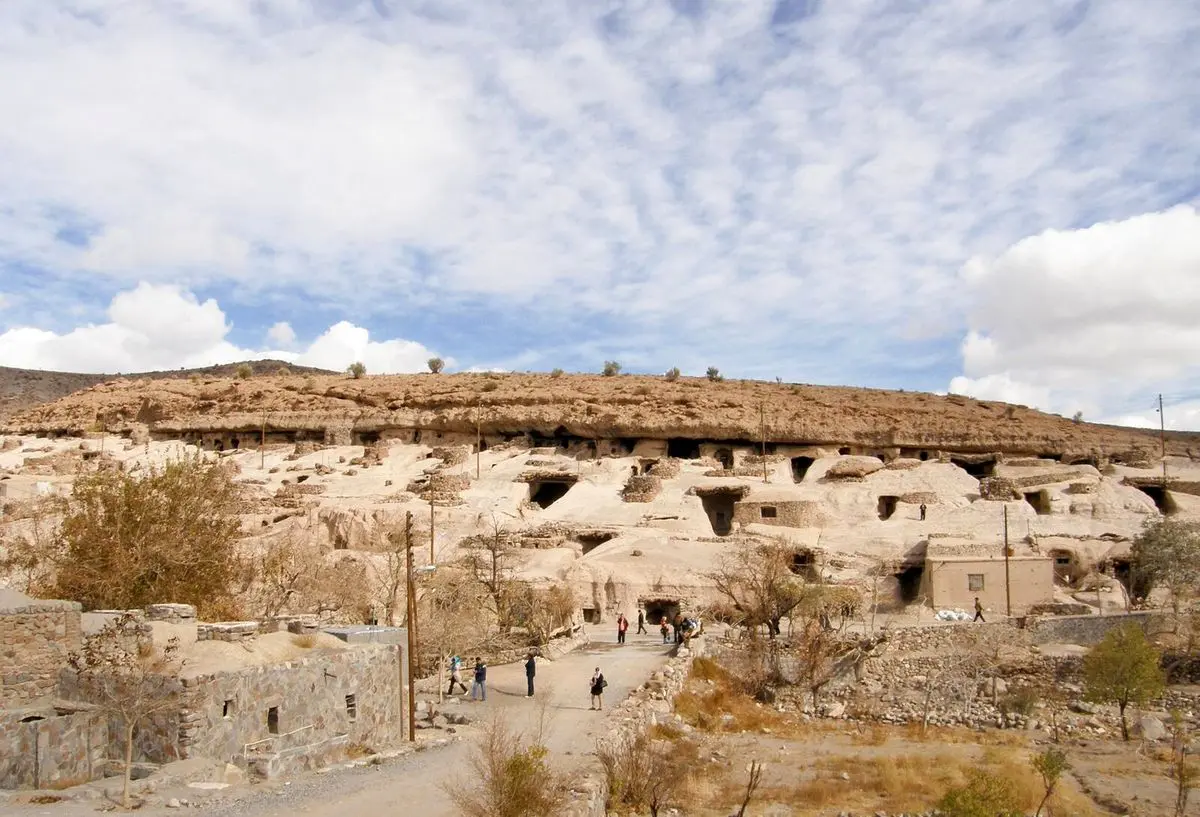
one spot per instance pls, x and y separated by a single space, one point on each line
762 429
478 436
1007 586
262 445
411 615
432 558
1162 436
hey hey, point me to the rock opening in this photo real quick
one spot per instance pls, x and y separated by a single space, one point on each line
909 580
725 457
1160 496
1039 500
684 449
800 466
545 493
976 468
719 508
591 541
887 506
658 610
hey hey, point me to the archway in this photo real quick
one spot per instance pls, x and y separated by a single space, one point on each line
545 493
800 466
887 507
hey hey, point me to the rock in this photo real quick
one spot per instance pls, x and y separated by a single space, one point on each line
1083 707
174 803
233 775
1149 727
834 710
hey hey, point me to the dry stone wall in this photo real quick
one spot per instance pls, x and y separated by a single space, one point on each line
55 751
35 638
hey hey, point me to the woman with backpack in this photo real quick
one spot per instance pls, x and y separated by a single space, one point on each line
597 686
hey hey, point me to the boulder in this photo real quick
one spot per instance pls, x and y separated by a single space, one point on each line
1149 727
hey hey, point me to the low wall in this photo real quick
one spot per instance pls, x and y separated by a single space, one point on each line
54 752
35 639
1091 629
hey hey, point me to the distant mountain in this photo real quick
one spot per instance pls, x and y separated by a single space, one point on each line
22 389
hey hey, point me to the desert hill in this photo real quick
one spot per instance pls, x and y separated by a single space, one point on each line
23 389
574 407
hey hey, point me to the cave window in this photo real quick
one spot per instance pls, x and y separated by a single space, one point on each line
227 708
352 707
975 582
1039 501
803 564
545 494
767 512
683 449
273 720
1062 561
845 452
887 506
800 466
591 615
725 457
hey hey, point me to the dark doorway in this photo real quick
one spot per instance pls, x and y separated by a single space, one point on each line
659 609
1040 500
235 443
1158 494
979 470
887 506
909 578
845 452
591 615
683 449
725 457
924 456
545 494
804 564
1063 565
800 466
719 507
591 541
273 720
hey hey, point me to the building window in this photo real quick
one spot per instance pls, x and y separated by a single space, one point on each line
767 511
227 708
591 615
1062 561
975 582
273 720
351 707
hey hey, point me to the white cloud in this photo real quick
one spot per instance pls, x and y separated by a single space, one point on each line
156 327
282 334
1096 319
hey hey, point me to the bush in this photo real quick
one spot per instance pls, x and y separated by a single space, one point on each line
436 364
672 374
1022 701
644 774
714 374
356 370
984 795
283 371
510 778
556 373
611 368
244 371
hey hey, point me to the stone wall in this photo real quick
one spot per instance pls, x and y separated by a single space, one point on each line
790 513
35 639
1090 629
51 749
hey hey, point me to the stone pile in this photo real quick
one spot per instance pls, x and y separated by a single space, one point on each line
641 488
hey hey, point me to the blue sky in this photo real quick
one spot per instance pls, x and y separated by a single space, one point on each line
997 198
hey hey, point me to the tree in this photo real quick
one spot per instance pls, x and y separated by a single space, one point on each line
356 370
244 371
757 579
168 534
984 795
672 374
1167 554
541 612
511 777
491 560
643 773
449 602
1182 772
611 368
714 374
1123 669
556 372
436 364
1050 765
129 678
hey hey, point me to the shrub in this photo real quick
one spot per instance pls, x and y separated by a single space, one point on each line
1123 669
556 373
984 795
436 364
283 371
1022 701
510 778
714 374
305 641
611 368
672 374
356 369
244 371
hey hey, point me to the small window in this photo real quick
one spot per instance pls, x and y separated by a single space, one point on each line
591 615
273 720
227 708
767 511
1062 561
975 582
351 707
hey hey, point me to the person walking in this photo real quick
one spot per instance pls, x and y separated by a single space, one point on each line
479 681
530 671
923 511
979 612
456 675
596 687
622 627
664 629
642 623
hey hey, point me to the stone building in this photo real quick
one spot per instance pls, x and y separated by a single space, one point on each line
35 638
954 581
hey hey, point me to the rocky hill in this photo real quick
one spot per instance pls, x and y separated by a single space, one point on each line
23 389
588 407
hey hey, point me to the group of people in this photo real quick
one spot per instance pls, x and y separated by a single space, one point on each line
679 628
479 680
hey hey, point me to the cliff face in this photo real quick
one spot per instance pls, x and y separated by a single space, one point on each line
592 407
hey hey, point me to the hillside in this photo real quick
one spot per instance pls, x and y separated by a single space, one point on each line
23 389
587 407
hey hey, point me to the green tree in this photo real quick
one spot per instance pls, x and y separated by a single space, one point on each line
1167 554
672 374
984 795
1123 669
1050 765
126 540
714 374
611 368
356 369
556 372
436 364
244 371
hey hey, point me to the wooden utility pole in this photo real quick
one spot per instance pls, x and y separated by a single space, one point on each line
411 615
1162 436
478 437
262 446
432 558
1007 585
762 431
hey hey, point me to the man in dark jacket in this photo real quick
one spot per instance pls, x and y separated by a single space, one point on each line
530 671
479 682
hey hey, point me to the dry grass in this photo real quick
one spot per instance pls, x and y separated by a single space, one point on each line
305 641
722 709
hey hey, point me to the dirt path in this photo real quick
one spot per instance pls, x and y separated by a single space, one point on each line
413 783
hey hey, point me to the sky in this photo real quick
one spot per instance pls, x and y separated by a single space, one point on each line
987 197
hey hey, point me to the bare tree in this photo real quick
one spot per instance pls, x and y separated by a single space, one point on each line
492 559
129 678
511 777
757 579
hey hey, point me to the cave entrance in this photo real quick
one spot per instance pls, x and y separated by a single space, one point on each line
719 507
909 579
545 493
235 443
976 468
1064 565
1039 500
1160 496
660 610
725 457
804 564
800 466
683 449
366 437
845 452
887 507
594 539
